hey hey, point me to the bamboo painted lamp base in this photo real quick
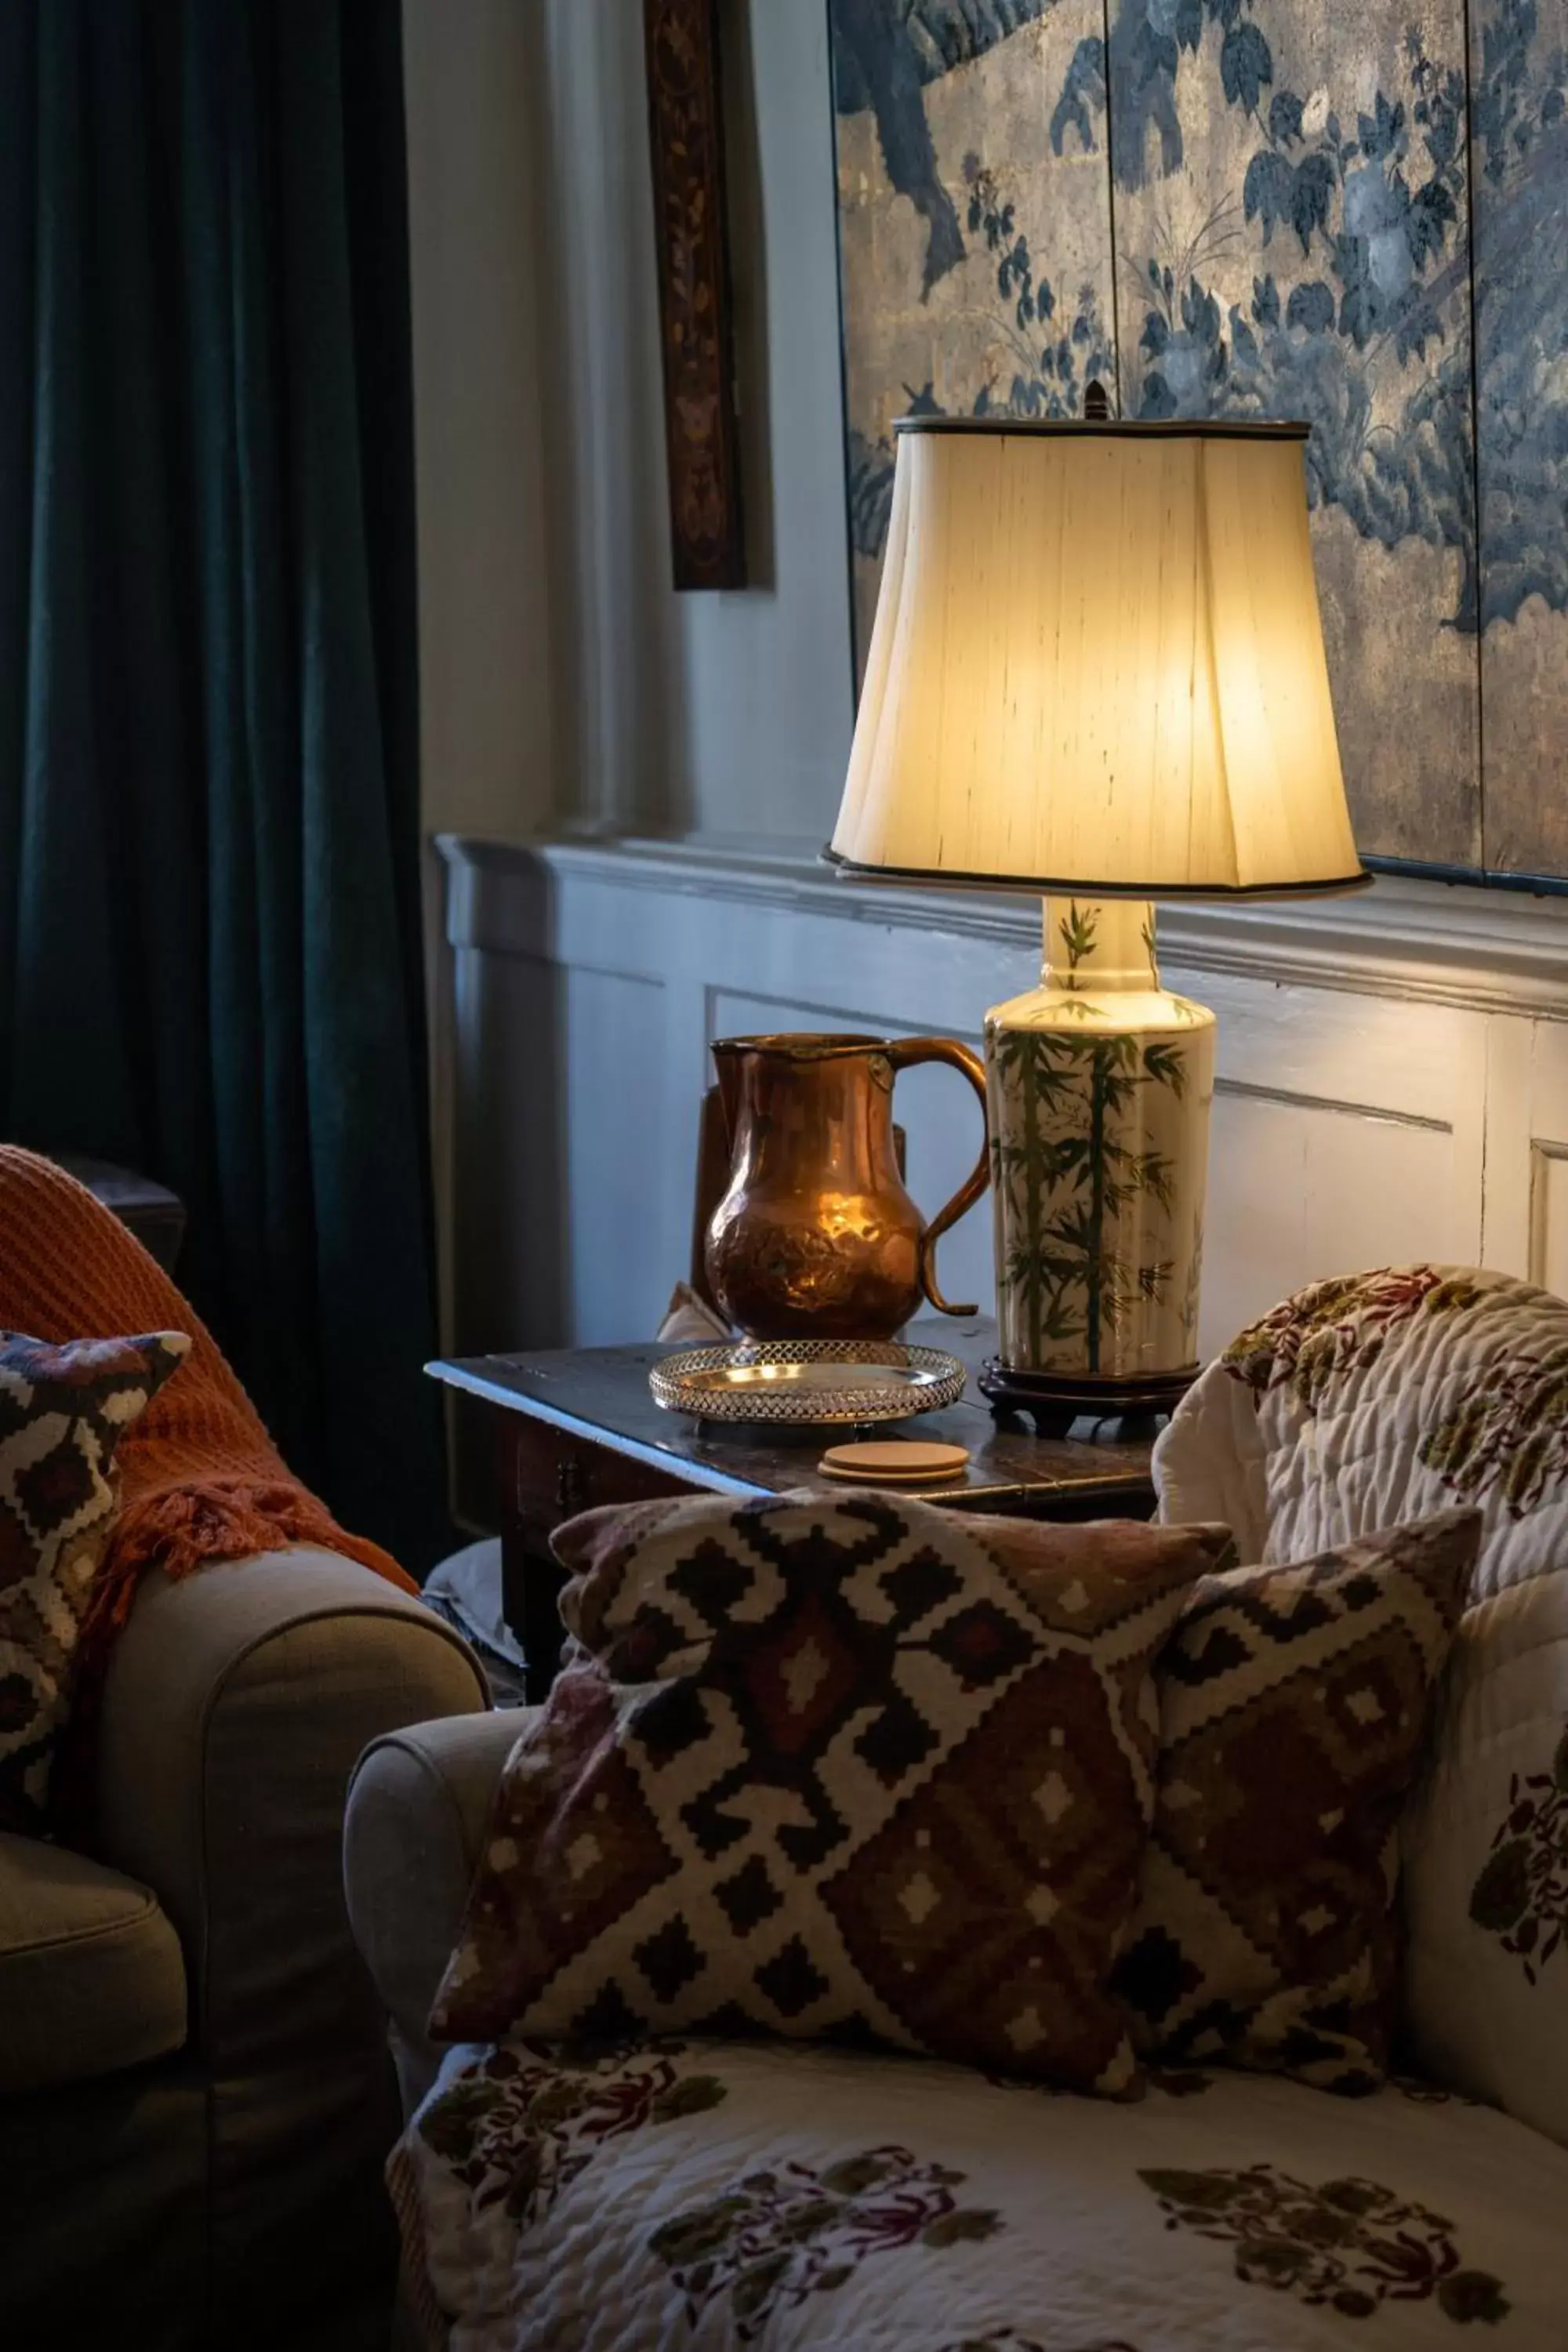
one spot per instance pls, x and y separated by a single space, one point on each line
1098 1084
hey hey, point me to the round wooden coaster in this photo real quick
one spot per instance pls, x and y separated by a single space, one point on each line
893 1460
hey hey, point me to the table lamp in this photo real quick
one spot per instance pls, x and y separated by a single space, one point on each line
1096 672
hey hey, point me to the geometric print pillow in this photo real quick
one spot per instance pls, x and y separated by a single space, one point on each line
848 1770
63 1410
1294 1702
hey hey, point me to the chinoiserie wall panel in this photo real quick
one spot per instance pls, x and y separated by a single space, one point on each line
976 262
1519 200
1292 240
1352 212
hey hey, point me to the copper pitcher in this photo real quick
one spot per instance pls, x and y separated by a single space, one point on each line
816 1237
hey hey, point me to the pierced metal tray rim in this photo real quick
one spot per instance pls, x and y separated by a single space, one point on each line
918 1379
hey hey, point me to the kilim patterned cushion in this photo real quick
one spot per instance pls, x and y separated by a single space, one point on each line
1293 1705
63 1410
854 1770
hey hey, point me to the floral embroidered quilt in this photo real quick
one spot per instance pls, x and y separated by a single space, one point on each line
705 2195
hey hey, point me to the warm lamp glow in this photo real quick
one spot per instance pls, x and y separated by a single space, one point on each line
1098 667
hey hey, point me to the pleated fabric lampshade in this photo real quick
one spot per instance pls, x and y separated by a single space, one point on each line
1097 664
1097 672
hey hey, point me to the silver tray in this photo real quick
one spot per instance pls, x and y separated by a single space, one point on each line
808 1381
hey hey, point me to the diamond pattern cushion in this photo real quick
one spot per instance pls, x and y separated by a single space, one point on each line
1293 1705
63 1410
855 1769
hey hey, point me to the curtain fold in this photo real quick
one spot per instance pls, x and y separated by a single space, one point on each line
209 884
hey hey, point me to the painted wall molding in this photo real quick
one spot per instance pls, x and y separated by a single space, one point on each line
1432 943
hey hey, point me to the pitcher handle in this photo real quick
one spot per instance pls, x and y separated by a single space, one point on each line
902 1055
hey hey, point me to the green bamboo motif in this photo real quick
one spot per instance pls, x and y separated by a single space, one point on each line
1076 933
1063 1189
1194 1278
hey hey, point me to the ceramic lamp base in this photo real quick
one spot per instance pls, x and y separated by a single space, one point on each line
1098 1087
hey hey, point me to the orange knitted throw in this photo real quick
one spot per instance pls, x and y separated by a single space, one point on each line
199 1478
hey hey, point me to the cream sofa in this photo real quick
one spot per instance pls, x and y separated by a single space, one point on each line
195 2101
708 2194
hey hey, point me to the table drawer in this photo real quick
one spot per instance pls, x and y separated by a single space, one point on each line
549 1476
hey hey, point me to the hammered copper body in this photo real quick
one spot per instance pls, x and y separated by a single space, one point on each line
816 1237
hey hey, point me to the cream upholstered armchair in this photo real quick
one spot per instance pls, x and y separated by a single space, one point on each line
196 2097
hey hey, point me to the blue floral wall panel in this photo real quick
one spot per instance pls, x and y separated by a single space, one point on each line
1318 208
1292 236
1518 130
975 225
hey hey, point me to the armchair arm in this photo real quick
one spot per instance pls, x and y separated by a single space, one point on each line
416 1814
236 1704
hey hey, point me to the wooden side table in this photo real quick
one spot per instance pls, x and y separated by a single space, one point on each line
577 1426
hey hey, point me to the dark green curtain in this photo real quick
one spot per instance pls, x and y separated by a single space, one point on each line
209 917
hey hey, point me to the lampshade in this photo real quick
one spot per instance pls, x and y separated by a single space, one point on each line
1097 666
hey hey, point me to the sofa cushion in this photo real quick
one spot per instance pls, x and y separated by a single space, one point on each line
1381 1397
842 1769
91 1977
63 1411
730 2193
1294 1702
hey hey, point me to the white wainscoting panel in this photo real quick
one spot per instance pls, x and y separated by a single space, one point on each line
614 1141
1347 1132
1393 1068
1549 1219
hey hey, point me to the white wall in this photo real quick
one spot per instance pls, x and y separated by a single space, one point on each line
725 713
562 675
767 677
481 381
493 714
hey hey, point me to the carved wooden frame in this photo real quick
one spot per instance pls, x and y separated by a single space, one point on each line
686 135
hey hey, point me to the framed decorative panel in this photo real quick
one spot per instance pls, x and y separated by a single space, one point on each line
1350 211
686 140
1518 145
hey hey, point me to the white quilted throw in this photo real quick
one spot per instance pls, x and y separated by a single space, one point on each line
722 2194
1385 1397
1380 1397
